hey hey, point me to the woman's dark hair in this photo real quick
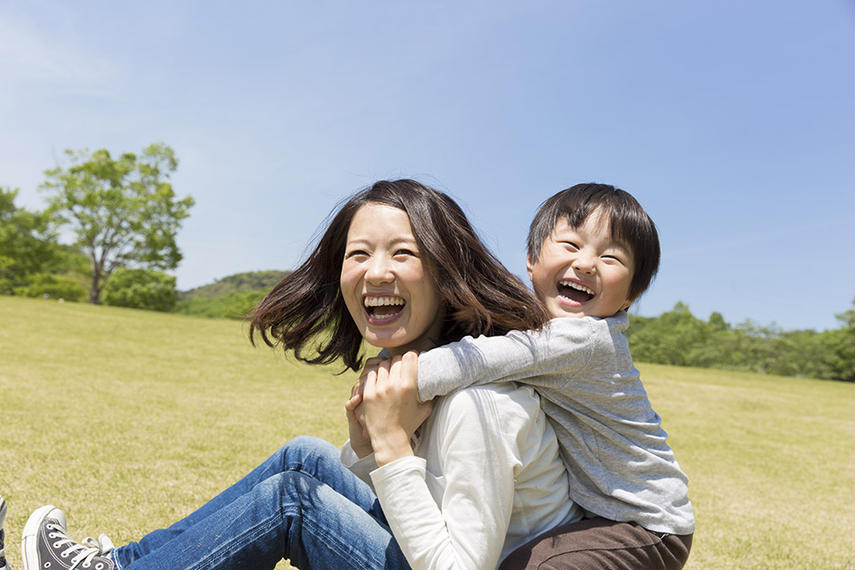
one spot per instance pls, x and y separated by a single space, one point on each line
629 224
306 313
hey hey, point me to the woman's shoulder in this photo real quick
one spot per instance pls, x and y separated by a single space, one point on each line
503 402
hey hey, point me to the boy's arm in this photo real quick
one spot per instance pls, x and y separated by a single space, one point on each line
563 347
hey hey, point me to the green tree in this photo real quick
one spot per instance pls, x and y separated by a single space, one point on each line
842 346
123 211
141 289
27 243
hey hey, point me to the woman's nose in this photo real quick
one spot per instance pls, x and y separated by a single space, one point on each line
379 270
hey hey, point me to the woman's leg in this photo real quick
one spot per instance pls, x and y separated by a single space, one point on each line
312 456
301 504
289 515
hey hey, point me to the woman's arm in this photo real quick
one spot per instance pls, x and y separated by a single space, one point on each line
451 509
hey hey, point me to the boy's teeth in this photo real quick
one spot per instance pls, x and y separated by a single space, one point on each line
574 285
382 301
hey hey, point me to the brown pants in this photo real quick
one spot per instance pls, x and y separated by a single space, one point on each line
601 544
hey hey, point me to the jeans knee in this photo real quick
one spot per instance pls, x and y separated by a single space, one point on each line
307 450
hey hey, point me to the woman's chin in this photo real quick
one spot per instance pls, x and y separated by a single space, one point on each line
395 346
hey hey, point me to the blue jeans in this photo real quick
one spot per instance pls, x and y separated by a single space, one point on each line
301 504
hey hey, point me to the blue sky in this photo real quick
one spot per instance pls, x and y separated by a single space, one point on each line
732 122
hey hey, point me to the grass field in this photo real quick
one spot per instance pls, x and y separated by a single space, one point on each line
128 420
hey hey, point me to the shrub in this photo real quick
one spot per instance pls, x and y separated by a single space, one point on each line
141 289
54 286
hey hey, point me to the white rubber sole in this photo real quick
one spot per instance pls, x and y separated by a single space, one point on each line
30 541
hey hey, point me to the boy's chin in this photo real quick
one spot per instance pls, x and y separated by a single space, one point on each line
560 310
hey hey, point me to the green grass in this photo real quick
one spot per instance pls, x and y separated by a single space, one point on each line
129 419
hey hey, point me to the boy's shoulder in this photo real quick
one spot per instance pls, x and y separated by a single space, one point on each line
615 324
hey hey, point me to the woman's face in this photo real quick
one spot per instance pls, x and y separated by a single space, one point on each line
386 284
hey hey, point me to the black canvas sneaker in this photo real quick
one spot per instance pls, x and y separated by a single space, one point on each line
3 564
47 546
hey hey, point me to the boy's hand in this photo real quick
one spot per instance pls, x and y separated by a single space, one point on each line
392 408
371 364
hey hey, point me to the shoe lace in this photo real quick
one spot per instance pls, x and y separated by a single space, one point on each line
84 552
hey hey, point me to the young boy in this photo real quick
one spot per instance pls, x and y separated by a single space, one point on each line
592 250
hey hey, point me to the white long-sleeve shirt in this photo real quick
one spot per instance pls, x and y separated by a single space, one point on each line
612 442
486 477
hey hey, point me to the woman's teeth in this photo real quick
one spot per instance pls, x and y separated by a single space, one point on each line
383 301
383 307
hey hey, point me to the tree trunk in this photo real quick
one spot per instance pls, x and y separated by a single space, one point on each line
95 290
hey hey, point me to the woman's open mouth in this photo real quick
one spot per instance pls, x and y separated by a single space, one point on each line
575 292
383 309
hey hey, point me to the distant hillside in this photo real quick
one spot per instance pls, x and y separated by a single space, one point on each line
239 282
231 297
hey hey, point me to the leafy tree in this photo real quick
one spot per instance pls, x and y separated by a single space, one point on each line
141 289
677 337
27 243
123 211
842 346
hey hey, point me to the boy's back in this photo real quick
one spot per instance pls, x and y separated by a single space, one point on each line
618 461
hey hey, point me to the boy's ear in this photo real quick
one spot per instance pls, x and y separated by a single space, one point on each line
528 266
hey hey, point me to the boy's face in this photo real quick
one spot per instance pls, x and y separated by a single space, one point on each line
583 271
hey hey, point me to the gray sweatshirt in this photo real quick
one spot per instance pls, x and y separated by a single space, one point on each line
618 462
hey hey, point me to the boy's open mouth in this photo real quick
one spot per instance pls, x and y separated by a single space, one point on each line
574 291
383 309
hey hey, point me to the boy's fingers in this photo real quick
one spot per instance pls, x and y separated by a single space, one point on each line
373 362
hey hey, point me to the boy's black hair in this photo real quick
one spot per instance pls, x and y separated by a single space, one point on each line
629 224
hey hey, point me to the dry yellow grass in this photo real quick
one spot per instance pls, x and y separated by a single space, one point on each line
128 420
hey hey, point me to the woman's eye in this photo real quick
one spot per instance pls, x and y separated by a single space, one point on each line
405 251
355 253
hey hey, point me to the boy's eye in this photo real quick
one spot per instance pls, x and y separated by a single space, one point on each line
613 259
569 244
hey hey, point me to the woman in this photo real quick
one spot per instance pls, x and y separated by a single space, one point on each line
400 267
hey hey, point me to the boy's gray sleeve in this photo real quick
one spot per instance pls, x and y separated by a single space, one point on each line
535 357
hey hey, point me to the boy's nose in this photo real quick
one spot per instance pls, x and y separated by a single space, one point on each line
584 264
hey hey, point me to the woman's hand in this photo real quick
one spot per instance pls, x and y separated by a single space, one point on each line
392 411
360 442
